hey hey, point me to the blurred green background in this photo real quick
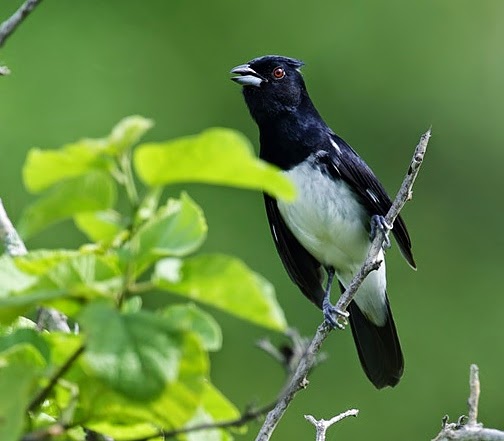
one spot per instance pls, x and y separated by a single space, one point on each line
380 72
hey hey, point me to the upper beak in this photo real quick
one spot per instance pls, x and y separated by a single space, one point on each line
248 76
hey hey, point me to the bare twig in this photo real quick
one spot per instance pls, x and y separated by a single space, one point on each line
472 430
322 425
298 379
474 387
43 394
13 243
9 25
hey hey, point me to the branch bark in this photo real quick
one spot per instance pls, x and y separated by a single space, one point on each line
9 26
14 245
298 380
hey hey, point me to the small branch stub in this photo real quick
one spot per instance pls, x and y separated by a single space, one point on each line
472 430
322 425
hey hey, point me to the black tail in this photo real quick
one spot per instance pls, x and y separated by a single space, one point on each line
378 347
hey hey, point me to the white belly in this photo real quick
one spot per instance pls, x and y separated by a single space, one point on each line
326 218
328 221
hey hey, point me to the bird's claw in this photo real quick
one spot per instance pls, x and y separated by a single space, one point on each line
379 223
334 317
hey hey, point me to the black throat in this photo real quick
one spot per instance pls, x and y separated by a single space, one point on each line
288 138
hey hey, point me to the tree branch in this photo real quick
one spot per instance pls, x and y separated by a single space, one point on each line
298 381
13 243
42 395
323 425
10 25
472 431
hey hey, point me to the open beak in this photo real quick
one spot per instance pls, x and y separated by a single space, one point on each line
247 76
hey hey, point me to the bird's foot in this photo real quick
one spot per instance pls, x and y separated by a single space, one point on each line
334 317
379 223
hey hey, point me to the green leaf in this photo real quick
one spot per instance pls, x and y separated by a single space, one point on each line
178 228
64 279
93 191
13 279
99 225
223 282
127 133
26 336
214 408
216 156
20 367
190 318
136 354
44 168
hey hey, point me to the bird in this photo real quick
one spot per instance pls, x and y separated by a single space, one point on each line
327 230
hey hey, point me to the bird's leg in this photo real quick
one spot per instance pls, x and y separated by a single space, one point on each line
331 313
379 223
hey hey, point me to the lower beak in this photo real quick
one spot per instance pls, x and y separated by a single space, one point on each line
248 76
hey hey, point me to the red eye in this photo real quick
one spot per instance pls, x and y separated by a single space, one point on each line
278 73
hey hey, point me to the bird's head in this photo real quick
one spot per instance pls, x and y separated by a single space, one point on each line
272 85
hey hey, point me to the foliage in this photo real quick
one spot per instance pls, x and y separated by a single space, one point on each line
130 372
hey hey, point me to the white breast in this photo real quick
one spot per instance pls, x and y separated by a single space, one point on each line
326 218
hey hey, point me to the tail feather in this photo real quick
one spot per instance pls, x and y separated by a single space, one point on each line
378 347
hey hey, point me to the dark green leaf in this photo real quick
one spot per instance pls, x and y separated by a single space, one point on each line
26 336
216 156
223 282
20 367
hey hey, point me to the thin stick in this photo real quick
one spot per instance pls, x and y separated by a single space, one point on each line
322 425
10 25
298 379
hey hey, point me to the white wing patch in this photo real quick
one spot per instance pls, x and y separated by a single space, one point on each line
335 144
372 195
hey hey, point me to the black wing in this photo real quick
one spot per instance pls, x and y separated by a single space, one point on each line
346 164
303 269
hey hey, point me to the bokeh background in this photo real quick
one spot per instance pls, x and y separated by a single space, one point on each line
380 72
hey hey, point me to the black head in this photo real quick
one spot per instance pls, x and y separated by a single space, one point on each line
272 85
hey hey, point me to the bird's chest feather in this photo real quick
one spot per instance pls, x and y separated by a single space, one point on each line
326 218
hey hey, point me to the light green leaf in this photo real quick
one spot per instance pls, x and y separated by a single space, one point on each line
64 279
13 279
127 133
178 228
190 318
214 408
93 191
223 282
216 156
44 168
99 225
136 354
